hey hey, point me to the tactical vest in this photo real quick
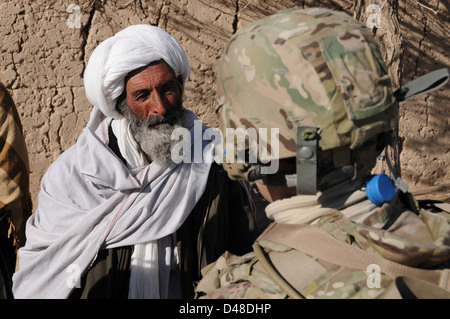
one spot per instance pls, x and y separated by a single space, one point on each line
330 260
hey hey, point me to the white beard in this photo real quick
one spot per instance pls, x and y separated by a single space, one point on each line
154 133
157 143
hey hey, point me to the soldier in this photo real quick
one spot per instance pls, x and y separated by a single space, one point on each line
318 78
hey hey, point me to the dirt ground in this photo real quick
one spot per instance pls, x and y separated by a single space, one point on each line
46 45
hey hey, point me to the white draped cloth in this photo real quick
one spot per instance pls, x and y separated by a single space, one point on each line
91 200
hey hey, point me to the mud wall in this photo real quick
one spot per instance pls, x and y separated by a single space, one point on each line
45 46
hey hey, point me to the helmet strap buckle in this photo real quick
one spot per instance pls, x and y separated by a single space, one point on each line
307 160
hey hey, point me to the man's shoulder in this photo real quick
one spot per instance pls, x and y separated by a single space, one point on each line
64 168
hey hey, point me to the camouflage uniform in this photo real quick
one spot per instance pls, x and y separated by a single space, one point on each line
322 68
411 240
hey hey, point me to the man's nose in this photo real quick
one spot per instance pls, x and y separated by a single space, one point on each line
157 105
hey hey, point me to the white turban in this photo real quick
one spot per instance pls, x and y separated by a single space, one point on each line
128 50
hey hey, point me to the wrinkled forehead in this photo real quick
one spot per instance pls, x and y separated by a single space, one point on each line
152 70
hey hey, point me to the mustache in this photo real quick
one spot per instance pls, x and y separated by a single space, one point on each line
172 117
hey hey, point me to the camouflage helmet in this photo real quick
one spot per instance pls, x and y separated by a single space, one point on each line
315 69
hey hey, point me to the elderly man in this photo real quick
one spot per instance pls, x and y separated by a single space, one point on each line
117 217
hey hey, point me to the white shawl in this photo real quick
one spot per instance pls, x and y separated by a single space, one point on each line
90 200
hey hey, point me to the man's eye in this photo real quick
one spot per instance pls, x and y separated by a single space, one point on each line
142 97
169 89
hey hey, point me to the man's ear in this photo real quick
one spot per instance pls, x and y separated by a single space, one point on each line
121 102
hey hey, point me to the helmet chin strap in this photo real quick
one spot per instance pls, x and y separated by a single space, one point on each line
276 179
